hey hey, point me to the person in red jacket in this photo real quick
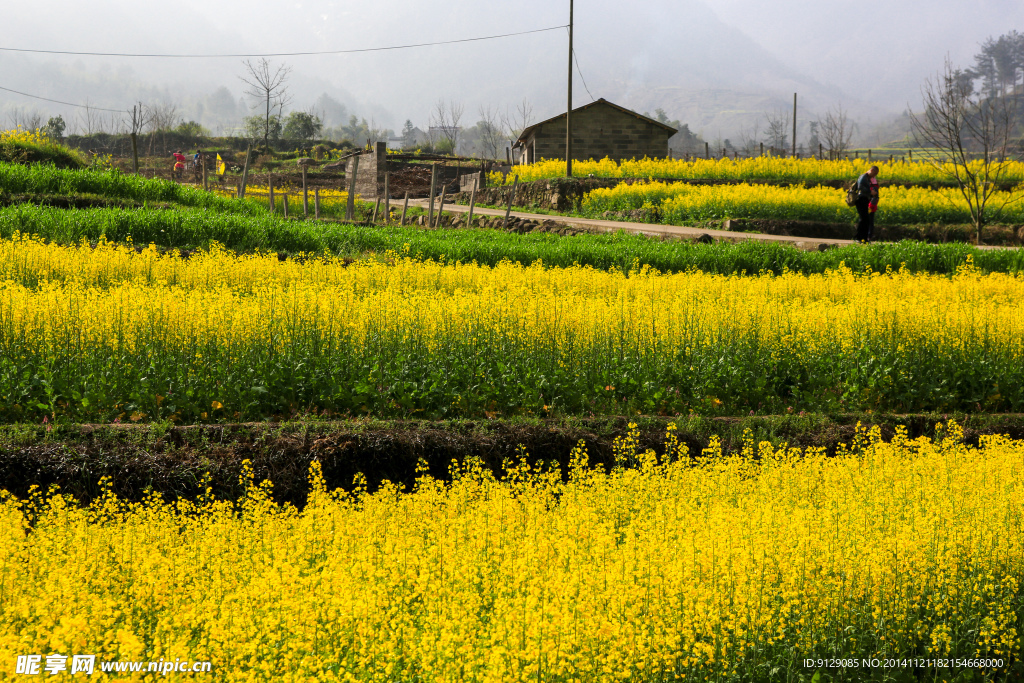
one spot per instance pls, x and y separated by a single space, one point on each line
179 163
873 206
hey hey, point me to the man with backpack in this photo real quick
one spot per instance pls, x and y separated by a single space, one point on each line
865 195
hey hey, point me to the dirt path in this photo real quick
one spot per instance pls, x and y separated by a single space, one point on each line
652 229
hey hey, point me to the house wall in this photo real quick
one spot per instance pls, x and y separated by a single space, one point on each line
597 132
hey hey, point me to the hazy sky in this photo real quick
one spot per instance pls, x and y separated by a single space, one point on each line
715 63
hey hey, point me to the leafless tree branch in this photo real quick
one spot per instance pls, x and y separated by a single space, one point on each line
974 134
446 119
267 87
777 133
835 131
492 133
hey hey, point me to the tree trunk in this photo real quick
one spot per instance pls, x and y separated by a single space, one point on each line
135 153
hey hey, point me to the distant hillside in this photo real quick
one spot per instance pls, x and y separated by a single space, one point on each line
677 56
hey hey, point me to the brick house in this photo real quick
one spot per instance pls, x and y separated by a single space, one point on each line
599 129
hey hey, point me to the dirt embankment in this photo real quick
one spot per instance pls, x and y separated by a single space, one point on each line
173 461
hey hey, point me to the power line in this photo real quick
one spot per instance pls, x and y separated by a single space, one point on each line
280 54
576 59
70 104
580 72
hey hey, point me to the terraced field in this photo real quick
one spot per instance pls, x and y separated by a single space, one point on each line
154 338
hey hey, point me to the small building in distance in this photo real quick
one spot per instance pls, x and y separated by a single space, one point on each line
599 129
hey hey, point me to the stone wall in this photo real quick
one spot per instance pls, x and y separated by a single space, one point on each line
557 194
467 180
370 172
599 131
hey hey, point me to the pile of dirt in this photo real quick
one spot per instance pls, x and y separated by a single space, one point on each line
414 179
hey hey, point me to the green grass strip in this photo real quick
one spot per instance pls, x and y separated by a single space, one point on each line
198 228
47 179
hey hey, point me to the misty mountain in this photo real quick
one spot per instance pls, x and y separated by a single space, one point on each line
878 52
718 70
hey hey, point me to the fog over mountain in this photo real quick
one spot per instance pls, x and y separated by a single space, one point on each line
717 65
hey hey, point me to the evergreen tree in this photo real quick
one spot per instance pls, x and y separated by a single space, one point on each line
408 135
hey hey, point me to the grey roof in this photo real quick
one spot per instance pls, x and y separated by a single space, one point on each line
526 131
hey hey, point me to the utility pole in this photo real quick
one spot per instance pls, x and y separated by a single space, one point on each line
568 111
794 125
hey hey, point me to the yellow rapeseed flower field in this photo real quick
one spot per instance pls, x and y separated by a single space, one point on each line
676 203
729 568
113 295
404 336
327 195
21 135
780 169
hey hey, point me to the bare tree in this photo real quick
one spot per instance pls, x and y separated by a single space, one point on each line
25 118
750 142
162 117
492 133
118 124
445 120
267 87
516 122
90 120
835 131
139 116
375 133
777 133
975 133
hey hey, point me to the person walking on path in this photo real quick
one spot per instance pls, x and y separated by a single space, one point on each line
867 204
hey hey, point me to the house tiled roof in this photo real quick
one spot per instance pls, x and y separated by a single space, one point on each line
526 131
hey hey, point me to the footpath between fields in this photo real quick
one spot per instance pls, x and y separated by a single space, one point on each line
649 229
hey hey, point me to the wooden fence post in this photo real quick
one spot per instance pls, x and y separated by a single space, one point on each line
440 209
350 204
387 198
405 207
206 182
135 153
433 189
270 190
316 203
472 203
376 208
511 198
305 193
245 172
286 205
707 151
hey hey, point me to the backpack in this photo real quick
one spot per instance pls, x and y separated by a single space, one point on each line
853 194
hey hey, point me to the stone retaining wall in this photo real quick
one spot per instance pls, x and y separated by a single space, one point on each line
557 194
